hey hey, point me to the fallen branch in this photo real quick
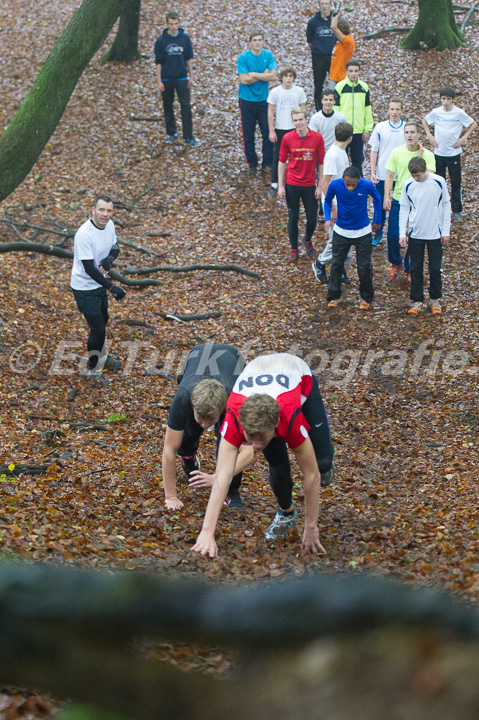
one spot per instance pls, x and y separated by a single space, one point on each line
89 426
23 224
135 323
133 283
24 469
140 248
190 268
471 10
187 318
138 118
36 247
119 277
136 199
389 29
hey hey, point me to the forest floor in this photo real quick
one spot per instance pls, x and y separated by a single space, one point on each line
400 391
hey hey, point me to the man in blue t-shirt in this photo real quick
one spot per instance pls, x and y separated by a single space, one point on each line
256 69
352 227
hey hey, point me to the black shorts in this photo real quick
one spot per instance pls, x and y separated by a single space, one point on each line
92 302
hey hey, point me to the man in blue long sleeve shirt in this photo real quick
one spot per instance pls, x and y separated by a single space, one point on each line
352 227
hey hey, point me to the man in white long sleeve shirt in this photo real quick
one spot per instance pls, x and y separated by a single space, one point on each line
425 208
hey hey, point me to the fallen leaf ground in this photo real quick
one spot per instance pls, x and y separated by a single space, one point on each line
400 391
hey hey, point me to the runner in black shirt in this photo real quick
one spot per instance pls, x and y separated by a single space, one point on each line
208 376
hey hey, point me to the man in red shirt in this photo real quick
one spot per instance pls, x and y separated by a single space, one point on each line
275 404
303 150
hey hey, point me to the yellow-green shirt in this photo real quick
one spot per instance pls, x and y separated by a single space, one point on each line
398 163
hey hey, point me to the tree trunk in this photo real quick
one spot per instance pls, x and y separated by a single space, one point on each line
25 137
435 27
125 46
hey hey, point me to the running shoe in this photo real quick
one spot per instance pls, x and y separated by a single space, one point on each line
281 525
319 270
415 308
327 477
190 464
363 305
112 363
436 307
394 273
234 500
310 251
293 258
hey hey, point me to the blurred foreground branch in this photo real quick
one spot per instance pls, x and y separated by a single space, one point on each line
330 647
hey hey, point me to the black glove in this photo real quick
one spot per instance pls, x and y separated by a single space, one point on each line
106 263
117 292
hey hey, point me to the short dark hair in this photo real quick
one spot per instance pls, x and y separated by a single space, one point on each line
343 131
448 92
105 198
416 165
344 27
254 32
172 15
352 172
353 62
287 69
327 91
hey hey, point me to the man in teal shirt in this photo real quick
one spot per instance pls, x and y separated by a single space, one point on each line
256 69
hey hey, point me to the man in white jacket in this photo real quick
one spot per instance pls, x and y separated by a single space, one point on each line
426 209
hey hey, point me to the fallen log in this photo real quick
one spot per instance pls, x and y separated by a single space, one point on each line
190 268
188 318
384 31
23 469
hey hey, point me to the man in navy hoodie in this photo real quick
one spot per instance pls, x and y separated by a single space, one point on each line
321 41
352 227
174 62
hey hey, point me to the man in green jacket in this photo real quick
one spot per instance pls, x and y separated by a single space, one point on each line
354 102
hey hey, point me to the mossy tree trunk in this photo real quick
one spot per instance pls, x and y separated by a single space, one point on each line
25 137
435 27
125 46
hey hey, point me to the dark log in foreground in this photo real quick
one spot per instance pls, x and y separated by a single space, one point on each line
330 647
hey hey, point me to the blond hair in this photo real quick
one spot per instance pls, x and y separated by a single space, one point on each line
259 414
209 399
298 111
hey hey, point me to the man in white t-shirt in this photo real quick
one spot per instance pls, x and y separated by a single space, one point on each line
281 100
326 119
385 136
335 163
447 141
95 247
426 209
